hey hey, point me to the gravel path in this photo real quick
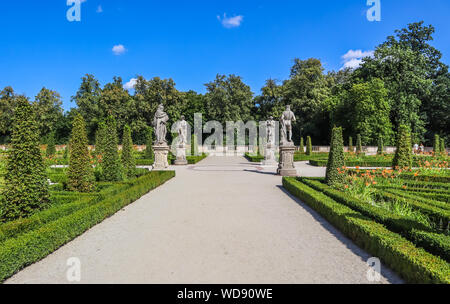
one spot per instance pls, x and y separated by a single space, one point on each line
223 220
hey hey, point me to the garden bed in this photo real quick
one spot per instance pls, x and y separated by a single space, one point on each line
26 241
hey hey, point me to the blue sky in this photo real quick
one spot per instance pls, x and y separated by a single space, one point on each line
192 41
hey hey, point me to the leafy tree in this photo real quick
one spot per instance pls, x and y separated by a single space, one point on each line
229 99
149 147
302 145
270 102
350 144
403 154
80 175
51 145
8 101
336 158
309 146
128 161
26 187
437 144
380 146
48 106
358 144
111 167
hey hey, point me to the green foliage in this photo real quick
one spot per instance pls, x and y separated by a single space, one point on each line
437 144
80 174
308 146
194 145
59 227
128 161
110 166
48 107
302 146
51 145
442 148
403 154
26 186
100 138
413 263
380 146
336 160
149 144
351 148
358 144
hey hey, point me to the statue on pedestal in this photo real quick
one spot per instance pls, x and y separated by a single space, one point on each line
270 131
160 123
269 152
181 128
286 126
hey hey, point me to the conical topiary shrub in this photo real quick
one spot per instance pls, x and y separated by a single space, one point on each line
148 153
351 148
437 144
66 153
308 146
128 162
51 145
442 148
111 167
302 146
336 158
403 154
100 137
380 146
26 185
194 145
80 176
358 144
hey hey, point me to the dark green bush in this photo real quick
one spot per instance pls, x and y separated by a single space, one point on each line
403 154
309 146
350 144
302 146
25 186
80 176
336 158
111 169
437 144
51 145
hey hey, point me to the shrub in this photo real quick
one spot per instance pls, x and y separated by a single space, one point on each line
66 153
302 146
51 145
336 158
111 167
194 145
380 146
403 154
128 162
148 154
308 145
358 144
25 186
442 148
437 144
100 137
350 144
80 174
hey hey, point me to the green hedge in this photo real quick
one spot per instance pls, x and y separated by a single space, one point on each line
414 197
431 241
28 248
254 158
414 264
195 159
374 164
426 177
298 156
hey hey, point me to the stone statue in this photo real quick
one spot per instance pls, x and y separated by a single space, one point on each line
270 131
286 126
160 124
182 131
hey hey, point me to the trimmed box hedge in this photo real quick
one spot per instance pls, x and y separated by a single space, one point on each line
254 158
414 264
17 253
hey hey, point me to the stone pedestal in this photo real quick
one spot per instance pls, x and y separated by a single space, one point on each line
161 156
269 156
181 156
286 165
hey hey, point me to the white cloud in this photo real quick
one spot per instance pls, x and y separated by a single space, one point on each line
119 49
353 58
99 9
130 84
230 22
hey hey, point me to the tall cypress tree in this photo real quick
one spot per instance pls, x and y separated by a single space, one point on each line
380 146
442 147
128 162
302 145
81 174
51 145
403 154
437 144
111 167
149 144
336 158
308 146
26 186
100 137
194 145
358 144
350 145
